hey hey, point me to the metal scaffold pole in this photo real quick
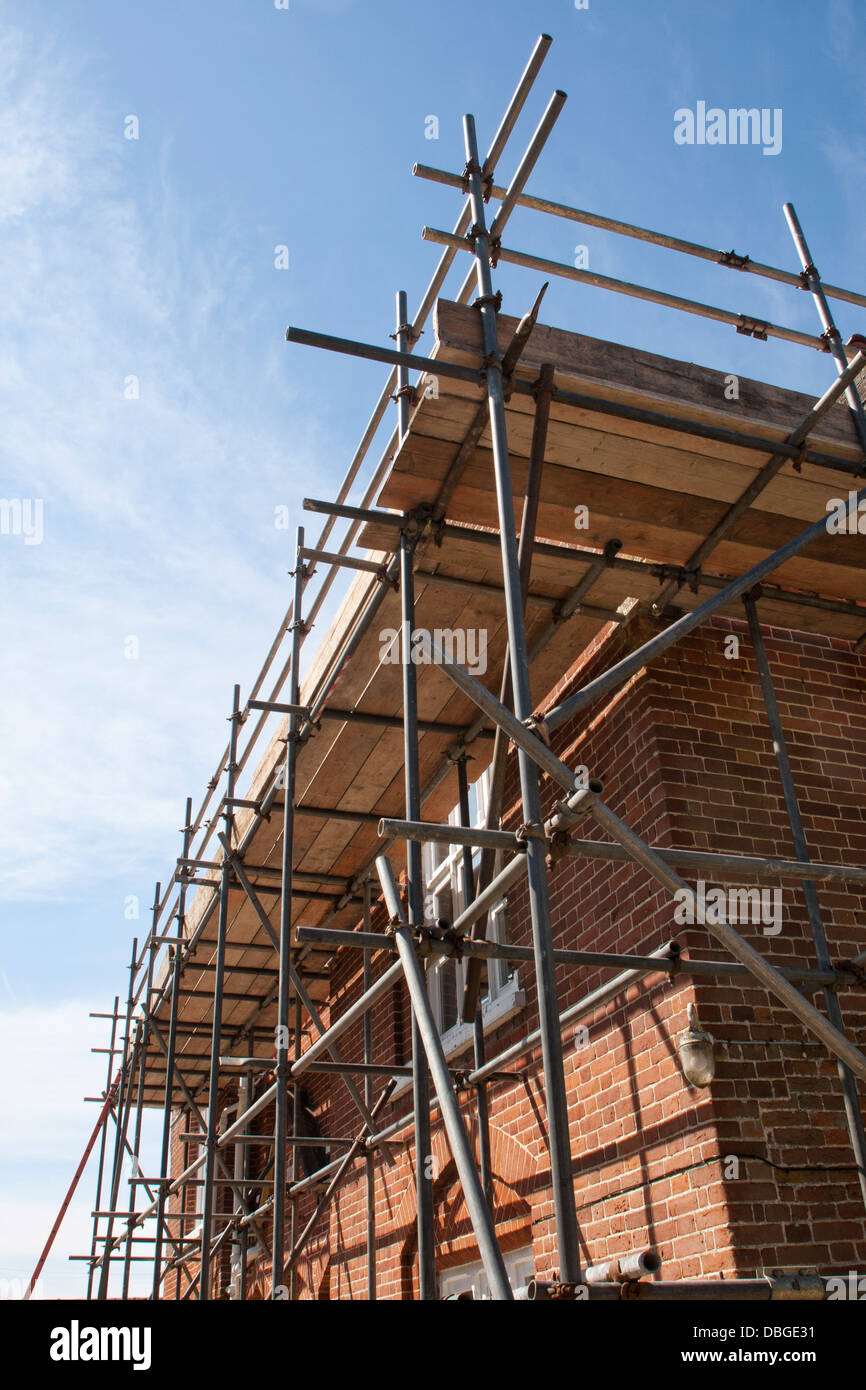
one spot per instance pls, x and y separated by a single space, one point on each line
369 1158
545 390
296 1121
283 1069
473 1192
542 934
120 1126
204 1290
100 1170
415 886
135 1171
811 280
478 1020
848 1082
445 523
175 967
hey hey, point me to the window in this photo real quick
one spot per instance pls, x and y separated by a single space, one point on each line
470 1281
445 899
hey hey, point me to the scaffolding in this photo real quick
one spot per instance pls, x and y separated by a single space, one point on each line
266 976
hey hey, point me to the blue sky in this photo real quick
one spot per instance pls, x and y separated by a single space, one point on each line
154 258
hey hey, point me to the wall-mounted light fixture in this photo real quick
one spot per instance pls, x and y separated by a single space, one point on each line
696 1052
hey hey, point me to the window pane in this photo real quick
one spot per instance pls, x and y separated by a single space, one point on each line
448 994
444 905
500 970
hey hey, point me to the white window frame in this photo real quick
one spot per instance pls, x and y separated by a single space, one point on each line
442 866
445 896
470 1280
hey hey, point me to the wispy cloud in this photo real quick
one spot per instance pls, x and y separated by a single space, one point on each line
54 1068
158 510
43 1137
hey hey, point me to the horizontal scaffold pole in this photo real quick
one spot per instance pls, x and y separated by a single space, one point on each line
759 328
642 656
729 259
453 944
617 409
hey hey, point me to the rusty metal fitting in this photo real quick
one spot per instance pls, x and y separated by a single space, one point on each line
752 328
530 830
537 725
496 301
801 457
851 967
557 847
731 258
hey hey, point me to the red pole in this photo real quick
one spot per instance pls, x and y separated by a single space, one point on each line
103 1116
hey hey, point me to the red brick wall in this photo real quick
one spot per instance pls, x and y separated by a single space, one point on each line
752 1173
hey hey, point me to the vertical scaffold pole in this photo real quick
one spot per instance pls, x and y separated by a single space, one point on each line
853 1116
412 778
478 1021
539 901
369 1160
120 1127
245 1096
183 1194
100 1170
135 1168
219 976
420 1073
458 1140
404 390
544 391
296 1122
281 1113
832 336
175 962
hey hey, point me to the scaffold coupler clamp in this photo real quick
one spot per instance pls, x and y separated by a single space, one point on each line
536 724
494 299
753 328
850 967
735 261
670 574
801 456
304 733
410 392
390 580
560 1292
829 337
557 847
544 384
455 939
630 1290
530 830
469 168
420 522
460 754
